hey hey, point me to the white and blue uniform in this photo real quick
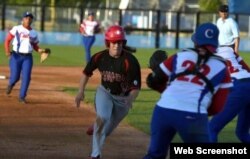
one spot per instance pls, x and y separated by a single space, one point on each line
88 29
197 95
183 105
23 39
21 60
238 102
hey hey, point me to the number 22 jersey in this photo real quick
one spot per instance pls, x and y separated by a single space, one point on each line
189 92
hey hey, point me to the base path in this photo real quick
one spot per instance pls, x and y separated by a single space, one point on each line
51 127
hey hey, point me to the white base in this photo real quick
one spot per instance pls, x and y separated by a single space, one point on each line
2 77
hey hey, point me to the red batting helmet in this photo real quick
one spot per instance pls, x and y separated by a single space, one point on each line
115 33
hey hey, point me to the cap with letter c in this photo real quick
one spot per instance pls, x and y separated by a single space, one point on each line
206 34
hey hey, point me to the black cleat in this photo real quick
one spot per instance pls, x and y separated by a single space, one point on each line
9 89
98 157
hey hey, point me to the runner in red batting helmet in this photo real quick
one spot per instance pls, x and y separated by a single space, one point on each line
120 85
115 33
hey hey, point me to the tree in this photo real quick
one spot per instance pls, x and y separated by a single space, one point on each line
18 1
210 5
57 2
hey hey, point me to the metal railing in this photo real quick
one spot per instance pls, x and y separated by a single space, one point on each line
136 21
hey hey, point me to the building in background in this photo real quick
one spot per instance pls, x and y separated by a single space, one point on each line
239 6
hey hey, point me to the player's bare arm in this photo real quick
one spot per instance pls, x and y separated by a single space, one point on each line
236 47
80 95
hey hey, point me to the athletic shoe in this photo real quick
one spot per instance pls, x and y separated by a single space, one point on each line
9 89
23 101
90 130
98 157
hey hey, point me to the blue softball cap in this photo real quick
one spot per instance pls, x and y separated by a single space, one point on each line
206 34
28 14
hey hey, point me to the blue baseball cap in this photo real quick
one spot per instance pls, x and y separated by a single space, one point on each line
28 14
206 34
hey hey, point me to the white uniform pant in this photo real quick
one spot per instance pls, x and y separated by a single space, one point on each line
110 110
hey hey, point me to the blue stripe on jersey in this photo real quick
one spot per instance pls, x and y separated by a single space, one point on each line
174 66
18 41
203 93
217 79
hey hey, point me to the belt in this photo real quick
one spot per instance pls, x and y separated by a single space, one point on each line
244 80
22 54
115 93
232 45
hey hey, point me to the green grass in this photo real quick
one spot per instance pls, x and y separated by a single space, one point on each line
74 56
60 56
140 114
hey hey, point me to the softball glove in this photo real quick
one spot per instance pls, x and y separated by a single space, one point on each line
157 57
45 54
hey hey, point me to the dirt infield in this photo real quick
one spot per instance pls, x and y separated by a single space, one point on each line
51 127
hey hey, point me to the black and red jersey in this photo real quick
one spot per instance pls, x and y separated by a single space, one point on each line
118 75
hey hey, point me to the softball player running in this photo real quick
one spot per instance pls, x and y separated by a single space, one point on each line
120 85
88 28
198 85
238 101
20 58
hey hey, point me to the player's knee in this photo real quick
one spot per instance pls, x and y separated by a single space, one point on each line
101 120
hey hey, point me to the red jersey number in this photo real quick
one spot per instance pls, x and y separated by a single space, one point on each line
194 79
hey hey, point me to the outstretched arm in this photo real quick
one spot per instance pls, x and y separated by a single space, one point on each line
80 95
37 48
